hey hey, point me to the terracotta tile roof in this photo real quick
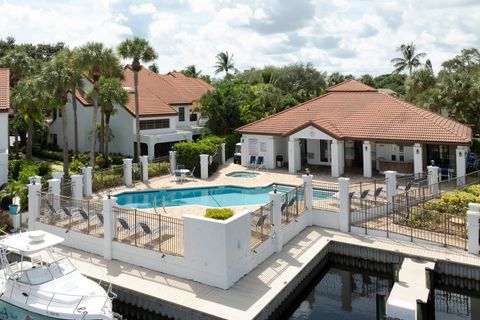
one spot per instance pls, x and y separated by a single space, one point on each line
363 115
350 86
82 97
4 90
158 93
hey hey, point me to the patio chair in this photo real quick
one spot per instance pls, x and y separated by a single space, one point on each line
190 174
362 195
376 194
260 163
406 188
147 230
260 221
124 225
251 164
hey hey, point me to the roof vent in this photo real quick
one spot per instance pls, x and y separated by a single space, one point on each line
129 89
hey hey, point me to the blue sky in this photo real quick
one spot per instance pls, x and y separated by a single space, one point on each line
355 37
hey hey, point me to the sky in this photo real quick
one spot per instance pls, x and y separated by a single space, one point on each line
357 36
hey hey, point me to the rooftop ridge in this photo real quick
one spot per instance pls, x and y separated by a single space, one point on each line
356 86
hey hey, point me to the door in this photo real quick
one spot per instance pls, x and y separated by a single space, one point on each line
357 154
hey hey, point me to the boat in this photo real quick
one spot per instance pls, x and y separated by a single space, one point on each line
42 285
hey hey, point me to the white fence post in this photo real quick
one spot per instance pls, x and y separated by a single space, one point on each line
77 186
144 166
37 179
127 172
473 215
433 179
391 177
204 166
34 197
54 188
223 153
276 197
307 179
108 225
87 182
344 214
173 161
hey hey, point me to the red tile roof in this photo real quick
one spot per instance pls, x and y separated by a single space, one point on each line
363 115
4 90
350 86
158 93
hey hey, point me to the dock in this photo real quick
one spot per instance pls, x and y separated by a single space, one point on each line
411 287
260 292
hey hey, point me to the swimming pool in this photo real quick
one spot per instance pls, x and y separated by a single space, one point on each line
221 196
242 174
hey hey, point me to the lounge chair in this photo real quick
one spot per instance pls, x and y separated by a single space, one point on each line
124 225
376 194
260 221
406 188
362 195
260 163
147 230
336 195
251 164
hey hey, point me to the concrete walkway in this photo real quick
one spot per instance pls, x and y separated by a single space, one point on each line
256 290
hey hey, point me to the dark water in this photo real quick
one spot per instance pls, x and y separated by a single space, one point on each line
451 305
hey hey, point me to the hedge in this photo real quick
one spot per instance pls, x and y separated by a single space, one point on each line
188 153
219 213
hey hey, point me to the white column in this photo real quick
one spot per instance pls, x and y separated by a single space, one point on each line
204 166
473 215
461 153
298 155
58 175
391 177
367 159
335 158
54 188
277 219
341 157
34 198
37 179
223 153
3 167
173 161
244 149
108 225
344 214
77 186
433 179
87 182
417 159
291 156
151 150
144 166
307 179
127 172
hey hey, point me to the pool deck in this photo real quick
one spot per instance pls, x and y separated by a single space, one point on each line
219 178
251 294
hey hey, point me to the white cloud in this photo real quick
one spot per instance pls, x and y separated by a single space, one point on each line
348 36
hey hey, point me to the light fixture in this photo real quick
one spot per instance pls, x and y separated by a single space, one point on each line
274 188
366 148
418 151
307 171
109 193
460 153
32 180
432 162
163 256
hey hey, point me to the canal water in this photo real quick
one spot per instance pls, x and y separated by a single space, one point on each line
346 288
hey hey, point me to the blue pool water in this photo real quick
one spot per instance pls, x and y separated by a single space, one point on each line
222 196
242 174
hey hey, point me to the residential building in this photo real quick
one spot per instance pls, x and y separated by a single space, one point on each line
167 114
4 138
354 125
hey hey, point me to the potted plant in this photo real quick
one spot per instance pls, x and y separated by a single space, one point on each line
8 195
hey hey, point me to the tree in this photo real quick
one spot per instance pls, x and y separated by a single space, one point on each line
392 81
97 61
224 63
111 92
302 81
31 100
138 50
154 68
335 78
191 71
419 81
409 58
467 61
20 65
368 80
59 78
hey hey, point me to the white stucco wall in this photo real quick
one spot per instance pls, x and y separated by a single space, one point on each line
3 147
187 123
260 145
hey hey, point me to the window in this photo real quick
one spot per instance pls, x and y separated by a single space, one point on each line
181 114
193 117
154 124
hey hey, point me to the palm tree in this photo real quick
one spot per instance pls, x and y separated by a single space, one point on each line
191 71
409 60
111 92
137 49
59 78
31 100
96 61
154 68
224 63
20 65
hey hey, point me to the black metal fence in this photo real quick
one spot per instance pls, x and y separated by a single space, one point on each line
159 167
136 172
84 216
261 221
149 230
107 178
66 186
325 196
293 204
214 161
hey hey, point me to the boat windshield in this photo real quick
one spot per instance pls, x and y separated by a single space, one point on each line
39 274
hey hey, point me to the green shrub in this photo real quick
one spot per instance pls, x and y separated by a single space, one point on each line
156 169
188 153
475 148
76 166
53 155
14 167
44 169
219 213
28 169
473 189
